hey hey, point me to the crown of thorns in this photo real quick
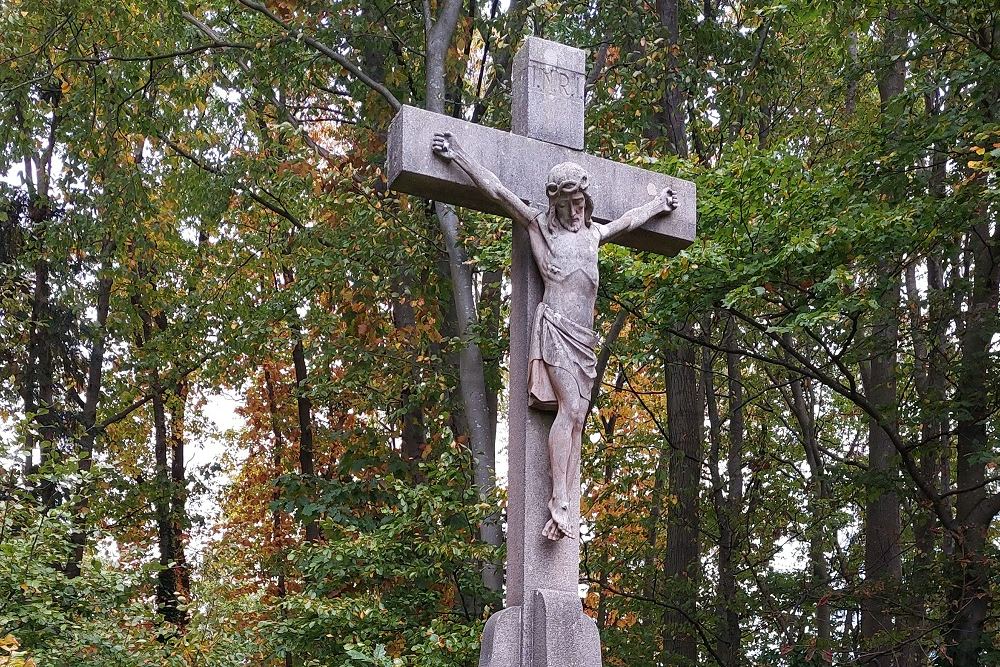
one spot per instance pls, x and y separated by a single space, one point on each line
566 177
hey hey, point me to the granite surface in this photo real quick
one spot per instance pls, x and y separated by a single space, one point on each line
523 164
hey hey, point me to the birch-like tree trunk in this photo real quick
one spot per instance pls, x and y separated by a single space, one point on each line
471 372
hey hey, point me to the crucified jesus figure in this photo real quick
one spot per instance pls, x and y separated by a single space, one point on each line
562 362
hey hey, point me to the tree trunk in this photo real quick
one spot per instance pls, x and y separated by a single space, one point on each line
175 402
176 411
165 600
168 585
38 388
44 402
413 435
684 406
604 565
727 496
471 371
277 468
729 643
975 404
929 377
472 380
172 576
303 405
88 415
883 566
490 300
671 121
974 509
681 562
803 411
651 569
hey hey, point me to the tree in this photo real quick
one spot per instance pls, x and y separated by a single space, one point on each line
793 461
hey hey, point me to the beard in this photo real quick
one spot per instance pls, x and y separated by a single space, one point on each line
570 225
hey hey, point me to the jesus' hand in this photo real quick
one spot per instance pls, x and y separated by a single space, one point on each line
668 198
446 146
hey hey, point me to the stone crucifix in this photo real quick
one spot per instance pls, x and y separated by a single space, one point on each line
565 203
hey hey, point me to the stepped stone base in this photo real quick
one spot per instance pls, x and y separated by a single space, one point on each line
551 630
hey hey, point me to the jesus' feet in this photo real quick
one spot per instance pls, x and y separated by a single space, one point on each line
558 526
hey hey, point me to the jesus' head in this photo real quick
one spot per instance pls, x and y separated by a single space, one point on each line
569 203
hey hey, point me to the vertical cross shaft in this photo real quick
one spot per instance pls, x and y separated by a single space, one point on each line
543 624
547 84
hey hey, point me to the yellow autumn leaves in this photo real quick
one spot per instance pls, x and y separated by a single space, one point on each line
10 656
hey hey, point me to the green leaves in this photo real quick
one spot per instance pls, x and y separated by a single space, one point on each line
394 564
234 192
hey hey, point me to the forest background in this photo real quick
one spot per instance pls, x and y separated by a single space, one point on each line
792 455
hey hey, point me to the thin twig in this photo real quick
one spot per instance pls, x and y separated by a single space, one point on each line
328 52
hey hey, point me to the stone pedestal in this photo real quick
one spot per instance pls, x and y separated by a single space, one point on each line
549 630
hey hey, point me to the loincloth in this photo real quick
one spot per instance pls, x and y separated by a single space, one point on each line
562 343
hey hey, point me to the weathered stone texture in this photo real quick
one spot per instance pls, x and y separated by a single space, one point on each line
548 87
532 561
523 164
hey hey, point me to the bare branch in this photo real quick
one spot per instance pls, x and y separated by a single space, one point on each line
274 208
605 355
326 51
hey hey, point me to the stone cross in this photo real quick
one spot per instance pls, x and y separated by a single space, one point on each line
543 624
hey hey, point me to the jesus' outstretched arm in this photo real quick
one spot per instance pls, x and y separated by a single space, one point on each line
447 148
664 202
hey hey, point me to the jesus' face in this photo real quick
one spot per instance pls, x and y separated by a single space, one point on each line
571 210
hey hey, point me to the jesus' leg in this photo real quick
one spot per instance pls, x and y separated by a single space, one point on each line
564 447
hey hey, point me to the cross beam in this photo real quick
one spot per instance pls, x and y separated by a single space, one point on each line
522 164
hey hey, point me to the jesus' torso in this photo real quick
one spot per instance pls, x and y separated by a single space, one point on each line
572 291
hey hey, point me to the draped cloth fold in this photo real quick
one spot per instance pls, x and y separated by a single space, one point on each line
562 343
